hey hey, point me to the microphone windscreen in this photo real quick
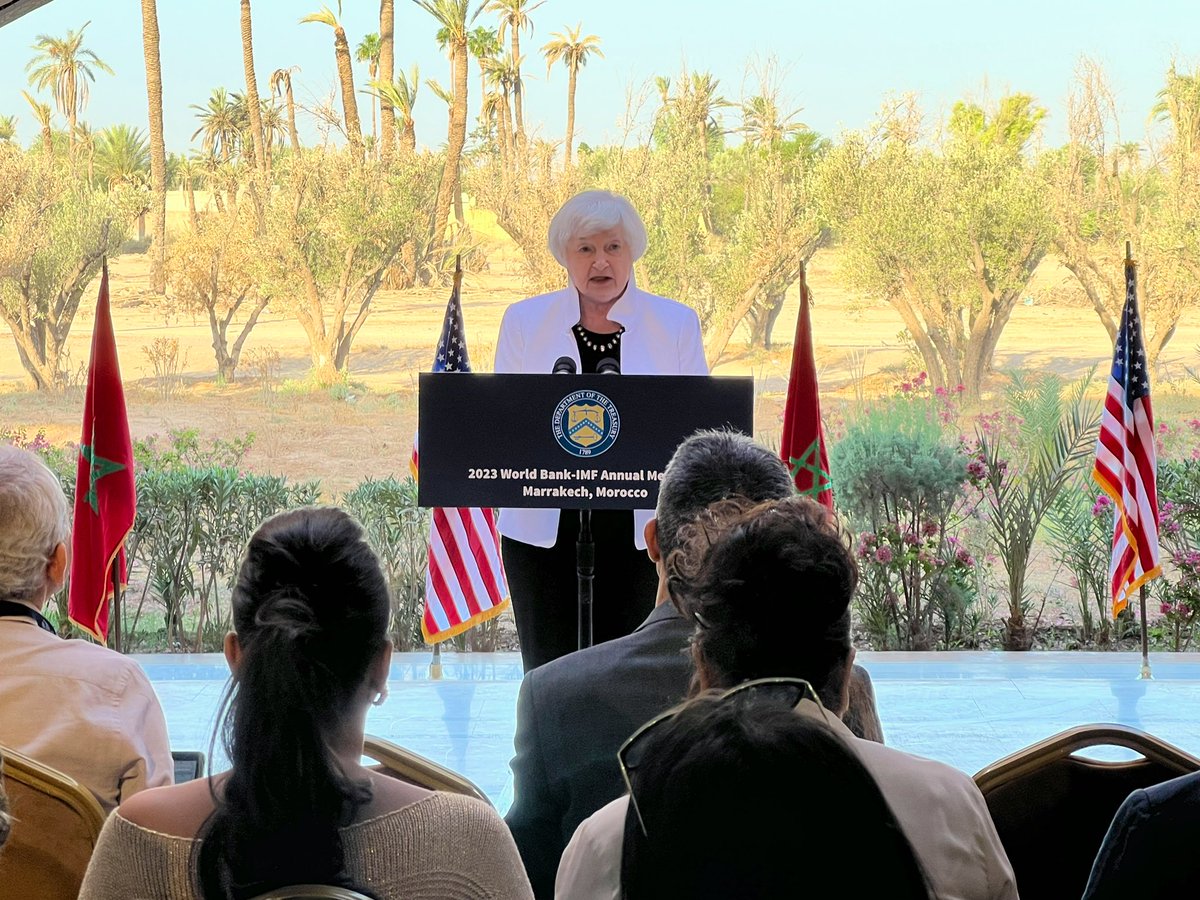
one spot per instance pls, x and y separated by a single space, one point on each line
564 365
608 366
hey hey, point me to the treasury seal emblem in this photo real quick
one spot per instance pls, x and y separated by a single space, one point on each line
586 423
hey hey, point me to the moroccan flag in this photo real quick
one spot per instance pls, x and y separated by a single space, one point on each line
464 584
105 500
1126 460
803 444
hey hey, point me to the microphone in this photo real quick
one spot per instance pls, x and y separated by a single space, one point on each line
608 366
564 365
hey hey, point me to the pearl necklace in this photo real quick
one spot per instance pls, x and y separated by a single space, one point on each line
587 341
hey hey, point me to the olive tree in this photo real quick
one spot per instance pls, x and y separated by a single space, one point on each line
948 234
332 228
55 231
1105 192
213 269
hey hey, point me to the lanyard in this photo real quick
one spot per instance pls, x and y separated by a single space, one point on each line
11 608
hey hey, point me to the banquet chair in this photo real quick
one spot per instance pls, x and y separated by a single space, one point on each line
394 760
1052 807
55 825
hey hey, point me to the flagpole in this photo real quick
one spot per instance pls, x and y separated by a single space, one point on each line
1145 673
116 607
435 666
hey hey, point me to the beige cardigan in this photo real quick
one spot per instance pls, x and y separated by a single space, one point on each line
443 847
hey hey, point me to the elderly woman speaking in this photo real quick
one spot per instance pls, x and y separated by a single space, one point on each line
597 236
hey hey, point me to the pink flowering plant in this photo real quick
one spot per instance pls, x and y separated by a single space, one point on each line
1178 592
902 481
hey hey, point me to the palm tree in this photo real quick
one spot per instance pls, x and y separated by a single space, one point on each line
42 113
452 15
574 52
503 73
186 175
341 55
275 129
514 18
483 44
493 112
764 125
401 95
1179 103
8 128
252 104
158 147
86 138
64 67
368 51
387 72
220 124
281 83
122 156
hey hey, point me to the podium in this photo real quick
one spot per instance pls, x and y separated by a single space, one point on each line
581 442
564 441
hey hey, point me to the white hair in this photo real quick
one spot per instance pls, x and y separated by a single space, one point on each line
34 520
593 211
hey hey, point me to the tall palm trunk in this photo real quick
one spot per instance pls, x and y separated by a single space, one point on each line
408 137
387 74
455 138
190 193
252 102
341 51
518 98
373 73
158 150
291 114
507 128
72 112
571 77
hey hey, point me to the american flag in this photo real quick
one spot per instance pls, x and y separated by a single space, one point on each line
1126 460
465 582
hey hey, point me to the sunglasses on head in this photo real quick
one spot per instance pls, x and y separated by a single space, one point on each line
777 691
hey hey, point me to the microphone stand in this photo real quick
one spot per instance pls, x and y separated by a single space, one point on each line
585 545
585 570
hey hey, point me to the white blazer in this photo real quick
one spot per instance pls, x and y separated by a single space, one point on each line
662 337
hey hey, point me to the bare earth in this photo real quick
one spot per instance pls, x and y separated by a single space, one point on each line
312 435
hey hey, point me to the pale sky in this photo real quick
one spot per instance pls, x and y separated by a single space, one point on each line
840 59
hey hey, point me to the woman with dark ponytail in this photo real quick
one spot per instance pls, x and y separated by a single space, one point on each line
309 655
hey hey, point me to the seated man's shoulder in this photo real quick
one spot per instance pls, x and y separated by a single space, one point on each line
918 774
1180 792
95 664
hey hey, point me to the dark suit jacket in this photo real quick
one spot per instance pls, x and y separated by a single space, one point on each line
573 714
1149 852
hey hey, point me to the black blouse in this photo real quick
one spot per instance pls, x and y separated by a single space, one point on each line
594 347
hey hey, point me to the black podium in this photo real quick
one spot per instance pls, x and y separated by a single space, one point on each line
565 441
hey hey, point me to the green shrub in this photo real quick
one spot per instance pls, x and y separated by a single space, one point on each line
901 481
398 530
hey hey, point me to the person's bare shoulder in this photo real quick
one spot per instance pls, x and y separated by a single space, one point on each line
178 810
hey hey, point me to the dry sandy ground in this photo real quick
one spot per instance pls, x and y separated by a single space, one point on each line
369 431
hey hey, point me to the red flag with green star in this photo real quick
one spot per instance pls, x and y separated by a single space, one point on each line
803 444
105 500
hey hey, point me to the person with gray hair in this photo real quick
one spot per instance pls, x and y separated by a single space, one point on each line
75 706
600 317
